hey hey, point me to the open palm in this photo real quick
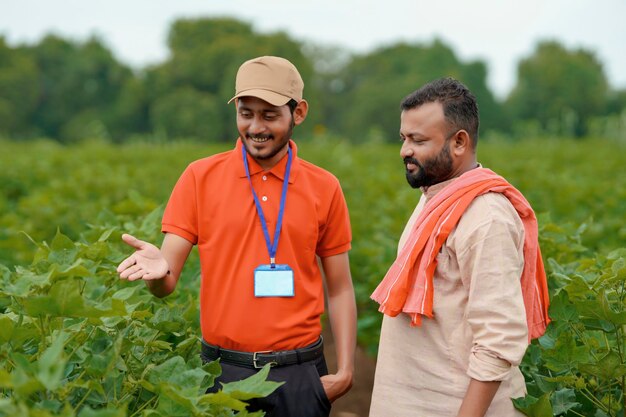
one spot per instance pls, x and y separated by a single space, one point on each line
146 263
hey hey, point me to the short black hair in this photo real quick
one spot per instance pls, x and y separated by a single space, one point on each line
459 104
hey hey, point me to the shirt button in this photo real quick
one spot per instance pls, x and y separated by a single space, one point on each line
264 198
264 177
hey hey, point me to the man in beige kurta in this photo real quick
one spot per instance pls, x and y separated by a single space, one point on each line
479 329
462 362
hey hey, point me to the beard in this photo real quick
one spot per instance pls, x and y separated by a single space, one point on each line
277 145
433 171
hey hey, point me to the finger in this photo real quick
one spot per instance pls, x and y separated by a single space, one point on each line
133 241
153 275
137 275
125 274
128 262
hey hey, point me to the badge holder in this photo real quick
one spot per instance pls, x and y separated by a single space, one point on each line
272 280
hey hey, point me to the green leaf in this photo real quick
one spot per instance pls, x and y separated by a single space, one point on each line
567 379
103 354
63 300
63 250
255 386
125 293
578 287
566 355
562 309
600 308
109 307
7 408
178 396
603 325
619 268
167 320
220 398
563 400
171 408
97 251
22 377
153 220
175 371
105 412
106 234
617 253
5 379
548 340
26 282
543 383
608 367
534 407
6 324
160 345
76 269
51 364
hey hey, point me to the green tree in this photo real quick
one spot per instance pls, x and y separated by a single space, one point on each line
131 112
616 102
18 90
368 90
186 112
79 86
559 89
204 57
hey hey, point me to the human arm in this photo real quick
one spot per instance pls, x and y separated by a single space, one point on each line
490 255
342 313
478 398
159 268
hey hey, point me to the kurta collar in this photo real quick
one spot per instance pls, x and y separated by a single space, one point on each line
430 191
278 170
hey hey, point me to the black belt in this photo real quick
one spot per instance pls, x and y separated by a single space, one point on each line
259 359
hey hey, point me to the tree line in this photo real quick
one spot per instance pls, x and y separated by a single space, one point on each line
70 90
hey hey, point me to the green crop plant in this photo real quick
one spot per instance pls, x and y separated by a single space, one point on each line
76 341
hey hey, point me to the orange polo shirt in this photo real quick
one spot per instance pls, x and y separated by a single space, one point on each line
212 206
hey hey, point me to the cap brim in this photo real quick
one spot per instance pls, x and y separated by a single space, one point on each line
271 97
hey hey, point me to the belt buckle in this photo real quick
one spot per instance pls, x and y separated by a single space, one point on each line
255 359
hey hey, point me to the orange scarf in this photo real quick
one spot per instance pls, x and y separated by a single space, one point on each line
408 285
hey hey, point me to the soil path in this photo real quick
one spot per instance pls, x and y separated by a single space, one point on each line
356 403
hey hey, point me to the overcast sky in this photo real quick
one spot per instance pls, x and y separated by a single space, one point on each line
496 31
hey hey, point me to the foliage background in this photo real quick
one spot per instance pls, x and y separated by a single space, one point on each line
69 90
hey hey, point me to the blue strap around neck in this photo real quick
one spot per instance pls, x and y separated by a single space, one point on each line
271 247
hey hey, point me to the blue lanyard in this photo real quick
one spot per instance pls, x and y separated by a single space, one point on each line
271 248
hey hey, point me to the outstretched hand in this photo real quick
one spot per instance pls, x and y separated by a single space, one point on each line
146 263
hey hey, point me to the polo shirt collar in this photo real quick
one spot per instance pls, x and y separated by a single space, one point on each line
278 170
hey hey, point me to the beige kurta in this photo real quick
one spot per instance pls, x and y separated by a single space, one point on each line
479 330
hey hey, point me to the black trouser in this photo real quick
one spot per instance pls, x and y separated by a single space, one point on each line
302 394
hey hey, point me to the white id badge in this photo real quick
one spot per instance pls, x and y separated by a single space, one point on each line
273 282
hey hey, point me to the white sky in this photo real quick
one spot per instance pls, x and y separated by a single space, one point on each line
499 32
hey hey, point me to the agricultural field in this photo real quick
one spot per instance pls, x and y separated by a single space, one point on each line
75 341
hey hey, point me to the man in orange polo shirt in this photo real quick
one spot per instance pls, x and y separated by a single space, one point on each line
262 217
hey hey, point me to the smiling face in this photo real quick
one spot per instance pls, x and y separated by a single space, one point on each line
426 145
265 129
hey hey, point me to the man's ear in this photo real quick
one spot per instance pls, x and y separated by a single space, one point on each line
300 112
461 143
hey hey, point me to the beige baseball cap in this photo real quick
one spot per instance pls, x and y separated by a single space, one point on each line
269 78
